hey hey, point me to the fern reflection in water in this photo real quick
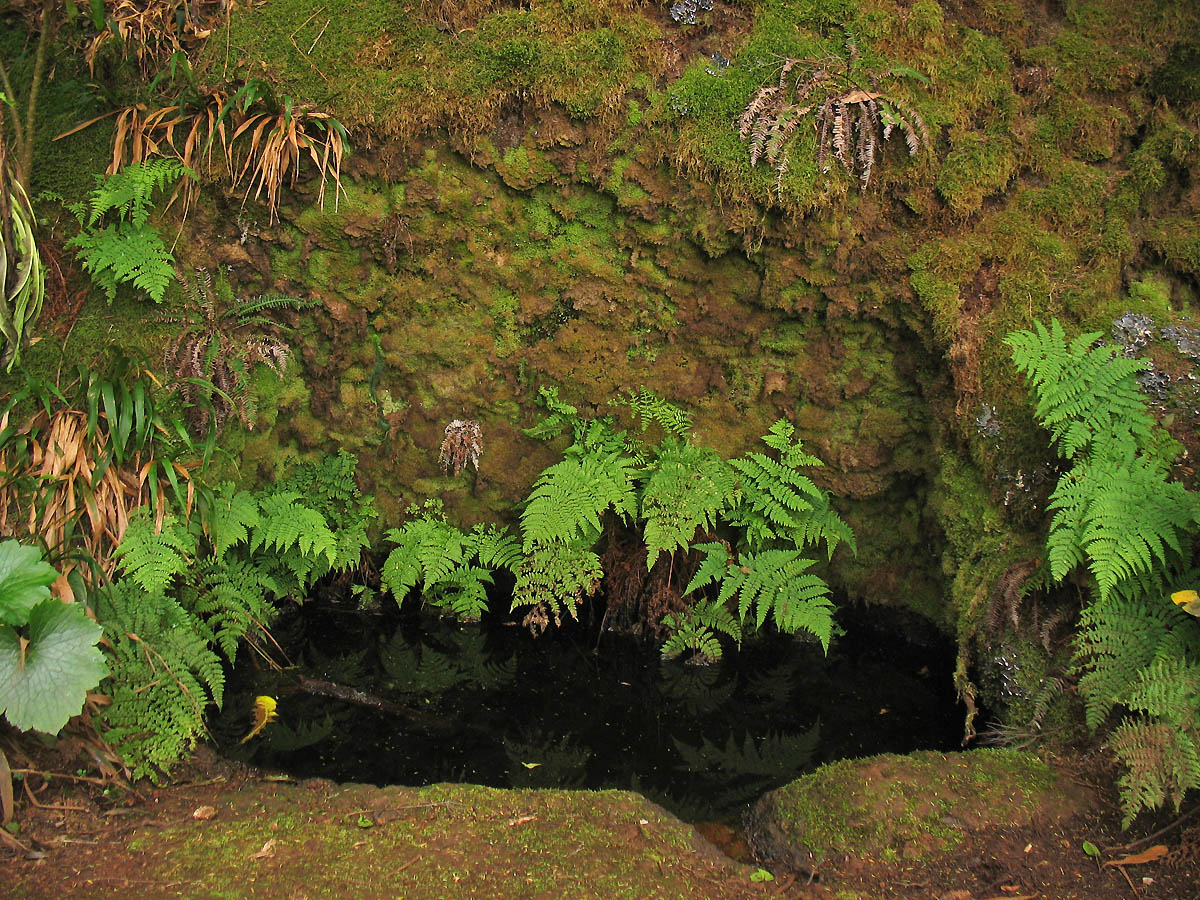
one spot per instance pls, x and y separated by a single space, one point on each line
491 704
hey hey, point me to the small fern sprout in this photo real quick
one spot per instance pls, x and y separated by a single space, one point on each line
462 446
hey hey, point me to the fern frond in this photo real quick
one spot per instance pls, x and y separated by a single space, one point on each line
774 583
494 547
1084 392
286 523
776 502
653 409
231 518
687 490
153 558
569 498
556 577
697 630
1162 762
164 676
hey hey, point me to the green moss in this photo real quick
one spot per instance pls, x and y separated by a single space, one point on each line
398 74
522 168
977 166
887 807
1178 78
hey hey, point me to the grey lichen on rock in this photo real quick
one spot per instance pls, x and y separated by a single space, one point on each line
892 808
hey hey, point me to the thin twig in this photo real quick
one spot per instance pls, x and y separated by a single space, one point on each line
103 782
58 806
1132 844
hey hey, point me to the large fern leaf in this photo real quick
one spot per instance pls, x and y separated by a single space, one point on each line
556 578
774 583
230 518
285 523
688 489
1085 392
1121 517
570 497
152 558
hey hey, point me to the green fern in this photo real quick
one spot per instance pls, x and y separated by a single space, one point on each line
653 409
164 676
1086 394
330 487
230 518
1117 513
1120 517
1160 745
688 489
1119 637
152 558
560 416
555 578
697 630
233 598
127 249
773 583
775 501
453 569
570 497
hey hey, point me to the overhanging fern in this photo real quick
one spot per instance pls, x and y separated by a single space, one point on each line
774 583
1117 513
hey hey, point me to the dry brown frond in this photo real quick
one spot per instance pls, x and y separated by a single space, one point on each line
462 445
850 119
210 359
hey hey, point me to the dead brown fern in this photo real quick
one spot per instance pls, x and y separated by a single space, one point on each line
210 359
852 115
462 446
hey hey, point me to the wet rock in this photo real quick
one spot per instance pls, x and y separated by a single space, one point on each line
888 808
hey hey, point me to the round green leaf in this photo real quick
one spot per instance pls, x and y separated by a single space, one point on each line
25 580
47 683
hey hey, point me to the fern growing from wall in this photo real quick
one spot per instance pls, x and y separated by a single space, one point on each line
1117 514
676 496
117 244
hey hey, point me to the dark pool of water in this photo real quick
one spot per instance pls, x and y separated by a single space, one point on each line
489 704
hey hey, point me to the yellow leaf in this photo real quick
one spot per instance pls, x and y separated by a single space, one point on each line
1188 600
264 712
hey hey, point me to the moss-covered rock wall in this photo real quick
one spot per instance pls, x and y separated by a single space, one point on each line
558 194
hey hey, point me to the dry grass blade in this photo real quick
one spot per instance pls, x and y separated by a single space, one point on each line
152 30
277 144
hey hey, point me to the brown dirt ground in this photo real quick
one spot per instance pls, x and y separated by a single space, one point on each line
87 839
